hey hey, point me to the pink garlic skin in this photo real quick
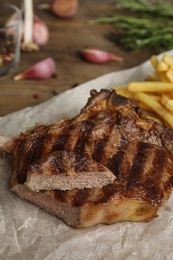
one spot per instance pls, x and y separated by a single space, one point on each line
99 56
11 21
40 32
43 69
40 29
64 8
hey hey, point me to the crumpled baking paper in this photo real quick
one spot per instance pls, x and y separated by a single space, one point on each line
28 232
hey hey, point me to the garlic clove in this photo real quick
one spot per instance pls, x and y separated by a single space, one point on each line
62 8
40 35
99 56
65 8
43 69
40 31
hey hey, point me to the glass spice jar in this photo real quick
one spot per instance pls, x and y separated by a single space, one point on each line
9 37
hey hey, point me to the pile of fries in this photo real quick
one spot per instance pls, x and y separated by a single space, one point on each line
155 95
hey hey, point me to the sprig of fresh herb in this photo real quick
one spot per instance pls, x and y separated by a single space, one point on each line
159 7
151 25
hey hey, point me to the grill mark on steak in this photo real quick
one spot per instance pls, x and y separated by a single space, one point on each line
160 164
159 160
82 163
86 127
59 195
102 140
78 135
73 197
83 135
117 160
56 162
149 178
80 197
97 196
99 149
114 164
80 145
60 142
138 165
29 151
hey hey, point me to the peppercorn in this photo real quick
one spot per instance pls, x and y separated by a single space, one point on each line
7 49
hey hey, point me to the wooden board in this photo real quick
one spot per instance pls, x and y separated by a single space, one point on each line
67 38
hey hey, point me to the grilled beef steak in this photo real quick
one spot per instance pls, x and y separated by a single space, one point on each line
111 137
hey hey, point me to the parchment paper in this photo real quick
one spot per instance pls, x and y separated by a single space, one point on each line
28 232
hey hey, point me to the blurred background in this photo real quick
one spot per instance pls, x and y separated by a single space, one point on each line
67 38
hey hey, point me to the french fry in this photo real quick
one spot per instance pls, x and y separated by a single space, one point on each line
150 86
168 59
153 77
164 99
120 87
156 106
167 102
169 75
163 76
162 66
154 61
169 105
155 96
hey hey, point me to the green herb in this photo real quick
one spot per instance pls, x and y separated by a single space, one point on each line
148 25
159 7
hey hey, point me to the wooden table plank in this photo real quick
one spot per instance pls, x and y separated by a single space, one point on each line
67 38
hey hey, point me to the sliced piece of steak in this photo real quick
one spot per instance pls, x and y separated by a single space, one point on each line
67 170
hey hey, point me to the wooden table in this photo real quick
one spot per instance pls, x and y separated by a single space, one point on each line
67 39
